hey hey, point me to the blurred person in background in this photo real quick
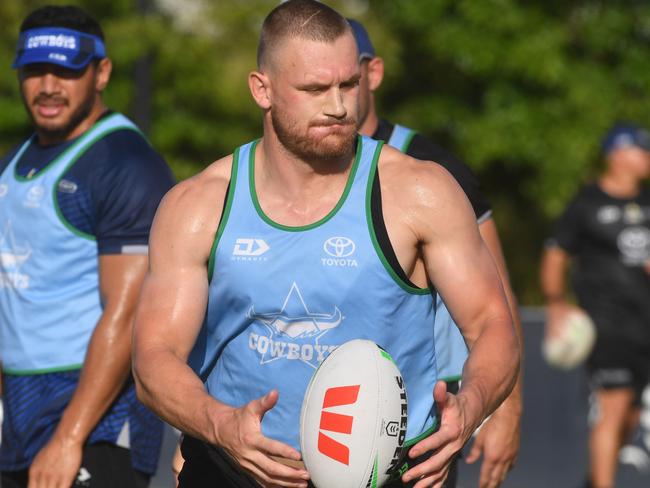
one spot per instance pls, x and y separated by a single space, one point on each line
603 237
498 438
76 203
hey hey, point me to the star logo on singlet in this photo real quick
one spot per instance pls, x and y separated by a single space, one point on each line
12 256
294 329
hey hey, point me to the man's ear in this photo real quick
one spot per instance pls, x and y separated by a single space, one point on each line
375 73
260 87
103 74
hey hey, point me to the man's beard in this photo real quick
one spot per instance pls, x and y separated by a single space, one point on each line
76 117
310 149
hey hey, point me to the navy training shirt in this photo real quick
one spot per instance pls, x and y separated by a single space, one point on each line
111 192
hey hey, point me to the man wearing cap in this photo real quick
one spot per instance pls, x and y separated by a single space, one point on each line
604 235
498 439
76 202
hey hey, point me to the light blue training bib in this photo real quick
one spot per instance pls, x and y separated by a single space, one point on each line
49 288
282 298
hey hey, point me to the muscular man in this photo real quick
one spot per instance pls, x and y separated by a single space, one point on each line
240 254
604 234
76 204
498 438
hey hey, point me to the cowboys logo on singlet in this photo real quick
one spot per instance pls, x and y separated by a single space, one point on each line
294 333
12 256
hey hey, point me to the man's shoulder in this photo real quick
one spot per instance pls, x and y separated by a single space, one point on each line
415 180
124 148
191 210
6 158
205 190
588 193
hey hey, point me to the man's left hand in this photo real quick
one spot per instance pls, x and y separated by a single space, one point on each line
498 441
455 429
56 465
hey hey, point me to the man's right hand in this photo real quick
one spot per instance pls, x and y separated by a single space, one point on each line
239 432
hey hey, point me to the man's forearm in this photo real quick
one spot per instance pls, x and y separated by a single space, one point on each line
169 387
513 404
105 370
553 275
488 378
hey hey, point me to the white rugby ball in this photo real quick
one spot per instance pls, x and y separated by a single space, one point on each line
353 418
573 344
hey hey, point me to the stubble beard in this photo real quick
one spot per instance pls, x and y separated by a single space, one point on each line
332 147
63 129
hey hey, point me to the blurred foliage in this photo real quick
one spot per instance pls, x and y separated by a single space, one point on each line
522 90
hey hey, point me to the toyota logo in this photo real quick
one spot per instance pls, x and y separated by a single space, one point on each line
339 247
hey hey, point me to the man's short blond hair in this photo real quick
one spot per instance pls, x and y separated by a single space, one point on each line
304 19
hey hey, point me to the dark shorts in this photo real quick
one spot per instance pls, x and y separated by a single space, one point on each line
103 465
617 362
207 465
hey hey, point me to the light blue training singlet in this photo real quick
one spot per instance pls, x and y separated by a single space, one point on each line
451 350
282 298
49 286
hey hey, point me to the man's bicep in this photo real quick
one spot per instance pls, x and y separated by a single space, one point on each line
120 277
171 310
174 294
461 268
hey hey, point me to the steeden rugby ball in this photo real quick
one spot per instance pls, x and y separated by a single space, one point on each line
353 418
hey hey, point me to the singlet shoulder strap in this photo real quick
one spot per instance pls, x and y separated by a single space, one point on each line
401 137
19 154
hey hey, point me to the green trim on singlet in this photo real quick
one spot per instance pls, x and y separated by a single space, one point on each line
45 168
265 218
226 213
426 433
28 372
407 141
450 379
373 236
90 144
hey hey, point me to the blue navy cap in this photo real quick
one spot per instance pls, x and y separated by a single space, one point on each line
364 44
625 135
58 45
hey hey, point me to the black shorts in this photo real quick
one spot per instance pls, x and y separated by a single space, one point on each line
617 362
103 465
207 465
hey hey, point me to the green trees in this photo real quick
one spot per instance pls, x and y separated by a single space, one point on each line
522 90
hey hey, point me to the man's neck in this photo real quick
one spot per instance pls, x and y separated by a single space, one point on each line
619 185
295 192
371 122
279 166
